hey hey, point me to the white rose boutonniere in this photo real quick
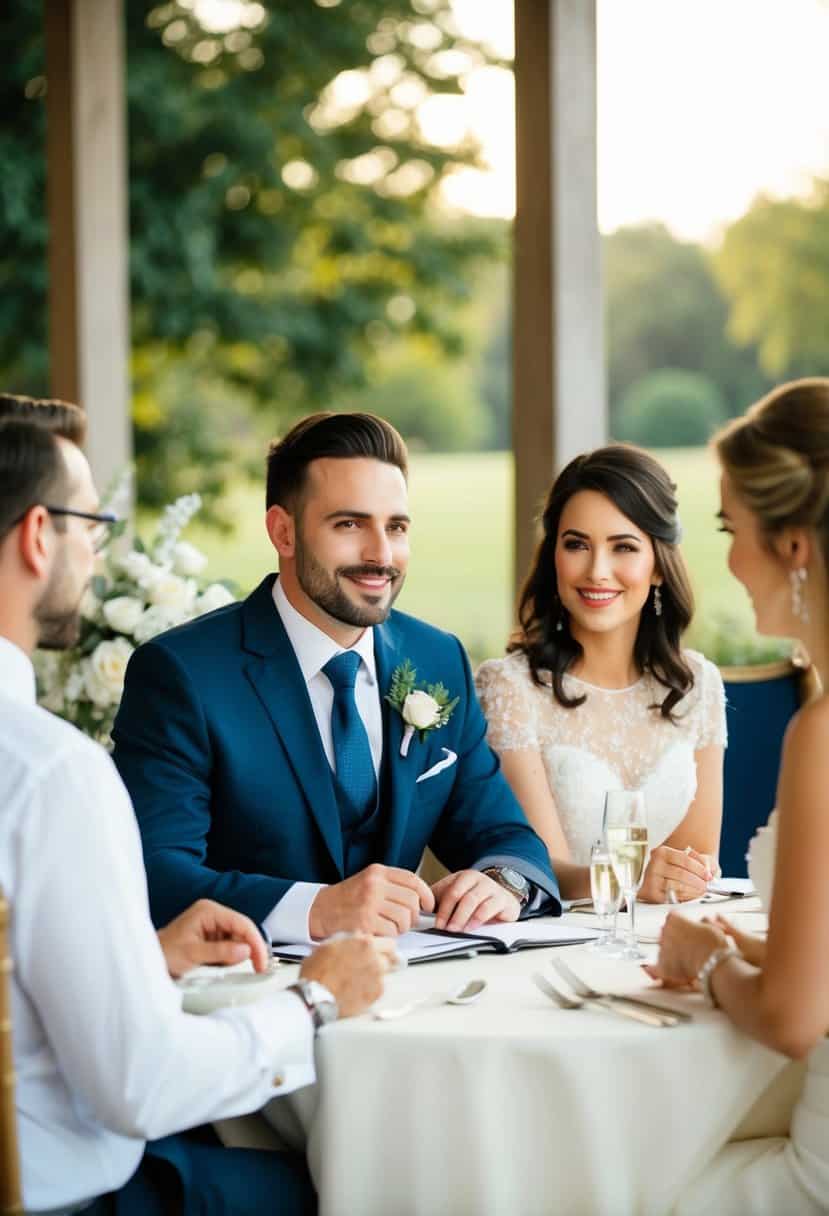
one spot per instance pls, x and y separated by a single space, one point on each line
422 708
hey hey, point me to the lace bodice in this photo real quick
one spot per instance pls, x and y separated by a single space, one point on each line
613 741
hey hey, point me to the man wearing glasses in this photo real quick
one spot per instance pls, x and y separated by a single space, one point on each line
106 1058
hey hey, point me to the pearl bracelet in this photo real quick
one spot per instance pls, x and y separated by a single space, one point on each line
706 971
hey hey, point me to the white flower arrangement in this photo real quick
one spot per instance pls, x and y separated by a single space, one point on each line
133 596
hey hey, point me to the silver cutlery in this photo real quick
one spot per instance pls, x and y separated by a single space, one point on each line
584 990
635 1013
465 995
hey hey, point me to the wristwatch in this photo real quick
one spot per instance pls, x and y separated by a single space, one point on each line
318 1000
511 881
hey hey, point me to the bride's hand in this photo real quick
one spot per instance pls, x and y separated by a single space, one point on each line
685 873
753 949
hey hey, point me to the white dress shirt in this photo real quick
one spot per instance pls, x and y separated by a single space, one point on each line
105 1057
288 922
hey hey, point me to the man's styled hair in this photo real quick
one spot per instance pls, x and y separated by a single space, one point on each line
327 435
32 470
60 417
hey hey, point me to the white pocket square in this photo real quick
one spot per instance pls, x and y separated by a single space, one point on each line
450 758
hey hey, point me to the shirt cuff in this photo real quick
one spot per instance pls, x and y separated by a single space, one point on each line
288 922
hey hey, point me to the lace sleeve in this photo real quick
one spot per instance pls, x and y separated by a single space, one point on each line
711 728
504 690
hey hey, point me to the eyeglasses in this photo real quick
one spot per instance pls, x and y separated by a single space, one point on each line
104 520
100 534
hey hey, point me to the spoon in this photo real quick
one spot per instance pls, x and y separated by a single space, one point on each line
465 995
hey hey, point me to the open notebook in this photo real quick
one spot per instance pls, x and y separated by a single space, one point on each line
426 944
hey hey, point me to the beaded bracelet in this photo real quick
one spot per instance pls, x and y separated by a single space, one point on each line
706 971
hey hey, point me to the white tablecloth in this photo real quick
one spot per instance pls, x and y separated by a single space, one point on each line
511 1106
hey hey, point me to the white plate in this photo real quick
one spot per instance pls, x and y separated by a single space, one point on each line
207 988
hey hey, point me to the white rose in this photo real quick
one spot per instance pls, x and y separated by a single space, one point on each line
214 596
420 710
151 622
187 559
177 596
138 567
104 673
123 613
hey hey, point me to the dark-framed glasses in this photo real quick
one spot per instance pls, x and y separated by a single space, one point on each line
102 521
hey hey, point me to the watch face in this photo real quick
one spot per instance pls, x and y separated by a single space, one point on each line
514 878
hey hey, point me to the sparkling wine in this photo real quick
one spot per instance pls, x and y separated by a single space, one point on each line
604 887
628 849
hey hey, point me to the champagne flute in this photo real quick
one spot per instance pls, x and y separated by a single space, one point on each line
626 836
607 896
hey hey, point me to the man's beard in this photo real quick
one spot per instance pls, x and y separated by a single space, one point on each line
326 592
59 626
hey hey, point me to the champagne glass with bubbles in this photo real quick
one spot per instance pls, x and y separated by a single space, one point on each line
607 896
626 838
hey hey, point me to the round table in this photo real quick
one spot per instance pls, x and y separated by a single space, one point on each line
512 1106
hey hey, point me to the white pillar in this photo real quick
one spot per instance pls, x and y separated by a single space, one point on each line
87 200
559 397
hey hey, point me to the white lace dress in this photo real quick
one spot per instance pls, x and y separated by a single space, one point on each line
777 1175
613 741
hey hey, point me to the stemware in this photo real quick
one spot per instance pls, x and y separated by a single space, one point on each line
607 896
625 833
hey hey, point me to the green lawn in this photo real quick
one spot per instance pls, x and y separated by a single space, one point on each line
461 549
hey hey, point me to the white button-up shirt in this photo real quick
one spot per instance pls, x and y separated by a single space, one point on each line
105 1057
288 922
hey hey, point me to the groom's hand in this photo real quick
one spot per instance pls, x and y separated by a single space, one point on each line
380 899
469 899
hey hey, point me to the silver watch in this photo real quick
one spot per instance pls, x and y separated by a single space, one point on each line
511 881
318 1000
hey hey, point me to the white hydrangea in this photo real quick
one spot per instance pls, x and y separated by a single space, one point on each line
175 519
122 613
187 559
214 596
90 605
104 672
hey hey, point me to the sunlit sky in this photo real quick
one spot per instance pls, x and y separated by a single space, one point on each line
702 104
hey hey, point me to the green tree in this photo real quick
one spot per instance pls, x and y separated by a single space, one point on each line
282 198
773 267
670 408
664 309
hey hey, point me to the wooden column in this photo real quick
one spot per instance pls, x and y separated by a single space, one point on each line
87 209
559 399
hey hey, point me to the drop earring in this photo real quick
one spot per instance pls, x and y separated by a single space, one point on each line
657 601
797 580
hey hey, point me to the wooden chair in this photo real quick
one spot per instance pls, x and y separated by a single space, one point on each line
11 1200
759 703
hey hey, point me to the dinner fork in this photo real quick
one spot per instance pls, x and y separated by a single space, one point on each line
607 1006
585 991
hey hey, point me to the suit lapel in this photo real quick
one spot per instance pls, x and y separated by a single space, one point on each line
277 680
402 771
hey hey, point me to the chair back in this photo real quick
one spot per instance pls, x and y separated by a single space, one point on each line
11 1199
759 701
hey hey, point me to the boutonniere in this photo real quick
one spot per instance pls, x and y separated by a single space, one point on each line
422 708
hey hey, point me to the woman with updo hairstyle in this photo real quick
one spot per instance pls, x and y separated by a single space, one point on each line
775 505
596 692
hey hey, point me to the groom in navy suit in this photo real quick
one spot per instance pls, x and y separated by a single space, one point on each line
267 767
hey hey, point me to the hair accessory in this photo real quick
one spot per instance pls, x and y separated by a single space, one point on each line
657 601
797 579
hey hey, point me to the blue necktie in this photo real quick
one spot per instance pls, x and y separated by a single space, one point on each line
352 753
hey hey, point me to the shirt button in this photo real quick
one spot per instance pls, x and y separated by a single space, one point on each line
278 1081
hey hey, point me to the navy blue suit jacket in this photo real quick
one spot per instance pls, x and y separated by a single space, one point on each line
217 743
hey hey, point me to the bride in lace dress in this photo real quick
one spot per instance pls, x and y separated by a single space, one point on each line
775 504
596 694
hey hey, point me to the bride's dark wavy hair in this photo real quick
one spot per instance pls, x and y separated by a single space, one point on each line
641 489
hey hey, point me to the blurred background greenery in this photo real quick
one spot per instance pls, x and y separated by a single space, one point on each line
292 249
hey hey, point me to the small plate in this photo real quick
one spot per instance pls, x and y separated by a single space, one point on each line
205 989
